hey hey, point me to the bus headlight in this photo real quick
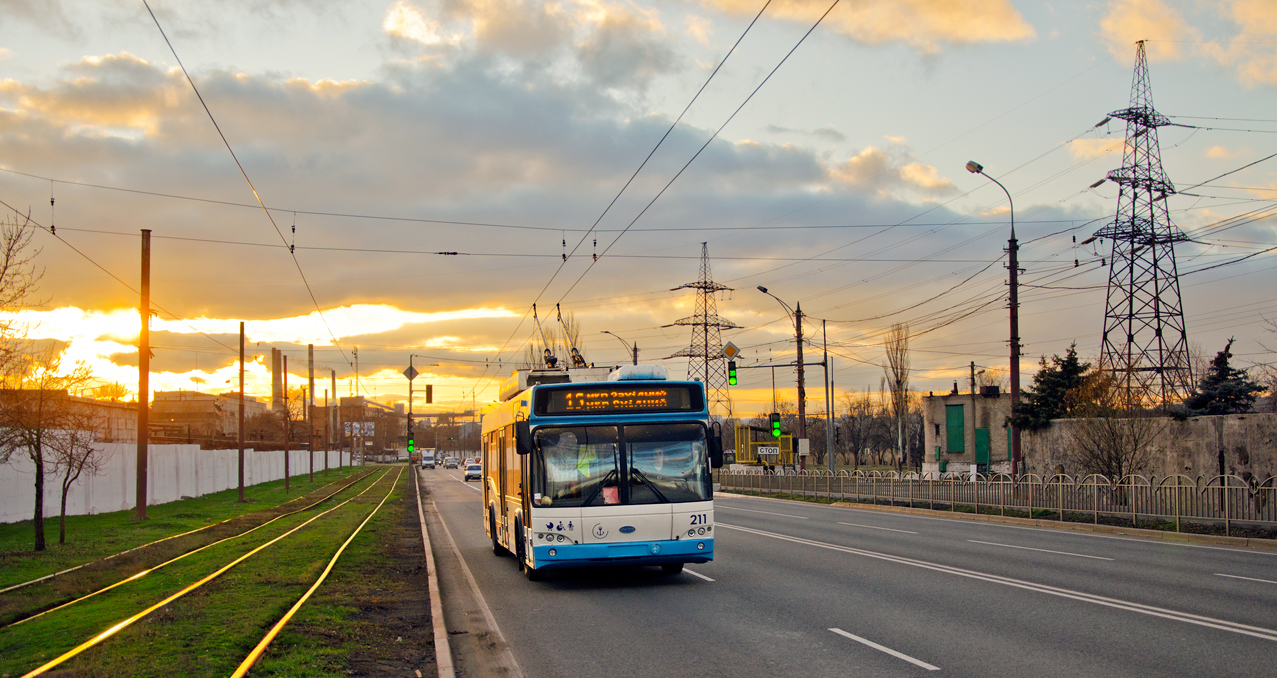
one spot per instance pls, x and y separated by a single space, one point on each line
700 546
656 549
553 553
700 531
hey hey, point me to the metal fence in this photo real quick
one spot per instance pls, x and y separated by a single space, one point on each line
1226 500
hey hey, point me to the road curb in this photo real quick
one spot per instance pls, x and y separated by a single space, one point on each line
1176 537
443 653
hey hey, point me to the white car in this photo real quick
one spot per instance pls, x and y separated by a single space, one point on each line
474 471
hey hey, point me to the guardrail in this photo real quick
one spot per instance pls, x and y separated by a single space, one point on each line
1225 500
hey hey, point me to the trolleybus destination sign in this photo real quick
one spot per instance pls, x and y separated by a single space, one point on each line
617 399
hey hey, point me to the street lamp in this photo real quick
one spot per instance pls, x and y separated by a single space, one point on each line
633 349
1014 266
797 315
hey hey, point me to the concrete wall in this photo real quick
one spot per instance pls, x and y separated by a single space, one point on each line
175 471
1192 447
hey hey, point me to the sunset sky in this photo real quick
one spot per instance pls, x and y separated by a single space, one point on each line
381 132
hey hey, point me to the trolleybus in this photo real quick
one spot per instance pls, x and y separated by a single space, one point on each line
589 467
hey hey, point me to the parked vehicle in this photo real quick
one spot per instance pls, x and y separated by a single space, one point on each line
474 471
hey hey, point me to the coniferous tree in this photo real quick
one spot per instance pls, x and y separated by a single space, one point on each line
1055 392
1224 389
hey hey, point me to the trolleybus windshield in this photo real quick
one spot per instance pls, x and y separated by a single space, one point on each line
630 464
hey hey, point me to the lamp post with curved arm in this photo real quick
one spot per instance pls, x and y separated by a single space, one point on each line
797 315
633 349
1014 267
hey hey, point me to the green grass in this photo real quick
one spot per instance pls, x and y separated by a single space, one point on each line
90 538
208 631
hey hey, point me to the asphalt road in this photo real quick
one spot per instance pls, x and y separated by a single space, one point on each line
802 589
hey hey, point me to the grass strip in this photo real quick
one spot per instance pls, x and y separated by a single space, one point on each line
170 561
111 631
274 631
94 537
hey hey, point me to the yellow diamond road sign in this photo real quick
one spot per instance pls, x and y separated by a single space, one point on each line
731 351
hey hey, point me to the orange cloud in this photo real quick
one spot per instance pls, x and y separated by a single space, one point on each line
924 24
1251 52
1086 149
1128 21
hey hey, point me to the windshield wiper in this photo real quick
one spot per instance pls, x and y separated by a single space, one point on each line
634 470
610 475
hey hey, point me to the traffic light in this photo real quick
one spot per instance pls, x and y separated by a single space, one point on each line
731 372
411 445
776 425
837 435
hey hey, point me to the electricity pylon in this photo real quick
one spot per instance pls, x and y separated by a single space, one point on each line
1145 345
705 354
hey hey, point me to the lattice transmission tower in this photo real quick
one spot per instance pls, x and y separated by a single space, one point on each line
1145 345
705 354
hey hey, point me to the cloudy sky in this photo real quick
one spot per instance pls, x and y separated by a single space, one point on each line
382 132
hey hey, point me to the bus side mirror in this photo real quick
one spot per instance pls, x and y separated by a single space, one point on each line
716 446
522 437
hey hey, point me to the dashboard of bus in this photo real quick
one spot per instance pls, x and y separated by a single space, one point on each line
620 464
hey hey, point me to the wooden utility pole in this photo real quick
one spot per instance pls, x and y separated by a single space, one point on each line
241 411
328 433
144 378
335 415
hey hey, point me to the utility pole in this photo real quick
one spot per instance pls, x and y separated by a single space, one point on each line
241 411
335 417
287 425
802 386
1012 249
144 379
327 433
310 406
829 408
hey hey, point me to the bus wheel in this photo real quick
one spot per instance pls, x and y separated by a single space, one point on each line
497 549
673 568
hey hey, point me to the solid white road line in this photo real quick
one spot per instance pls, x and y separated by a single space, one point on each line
730 508
1233 576
880 648
889 529
1187 618
697 574
1026 548
467 484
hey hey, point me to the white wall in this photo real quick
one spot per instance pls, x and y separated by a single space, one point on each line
174 472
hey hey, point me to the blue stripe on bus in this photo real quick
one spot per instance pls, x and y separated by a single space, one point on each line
624 553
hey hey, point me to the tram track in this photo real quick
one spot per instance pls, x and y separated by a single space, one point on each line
152 569
200 585
171 537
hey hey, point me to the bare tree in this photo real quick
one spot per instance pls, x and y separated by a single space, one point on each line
1117 441
19 281
35 410
896 343
74 453
857 424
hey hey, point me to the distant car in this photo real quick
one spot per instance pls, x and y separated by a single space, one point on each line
474 471
450 462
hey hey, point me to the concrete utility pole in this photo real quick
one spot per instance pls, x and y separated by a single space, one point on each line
144 379
287 424
241 411
310 405
829 407
802 383
327 433
335 417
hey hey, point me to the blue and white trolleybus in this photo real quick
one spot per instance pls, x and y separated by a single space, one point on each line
588 467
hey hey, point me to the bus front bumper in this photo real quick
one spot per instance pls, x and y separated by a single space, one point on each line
667 552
